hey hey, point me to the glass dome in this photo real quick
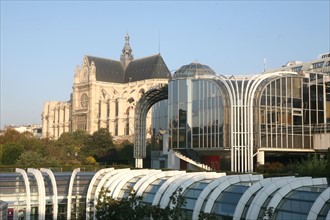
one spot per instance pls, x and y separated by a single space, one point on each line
192 70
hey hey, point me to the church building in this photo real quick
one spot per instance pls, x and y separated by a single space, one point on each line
104 95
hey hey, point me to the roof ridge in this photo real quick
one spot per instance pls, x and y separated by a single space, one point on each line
146 57
102 58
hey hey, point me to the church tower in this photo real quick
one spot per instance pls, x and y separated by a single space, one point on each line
126 56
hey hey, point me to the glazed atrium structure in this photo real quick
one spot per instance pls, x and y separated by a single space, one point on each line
285 111
43 194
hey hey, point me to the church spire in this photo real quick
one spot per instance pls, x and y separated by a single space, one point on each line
126 55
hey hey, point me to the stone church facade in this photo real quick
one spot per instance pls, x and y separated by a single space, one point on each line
104 95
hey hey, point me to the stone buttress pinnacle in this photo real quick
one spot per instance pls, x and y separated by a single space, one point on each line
126 55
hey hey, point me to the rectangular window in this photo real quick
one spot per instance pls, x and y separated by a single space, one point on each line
100 104
318 65
296 69
116 128
117 108
108 109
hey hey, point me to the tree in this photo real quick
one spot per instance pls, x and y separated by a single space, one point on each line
90 160
101 145
35 159
177 201
132 208
11 152
311 167
206 216
128 208
269 214
10 136
125 154
102 139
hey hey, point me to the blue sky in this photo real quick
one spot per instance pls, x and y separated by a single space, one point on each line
43 41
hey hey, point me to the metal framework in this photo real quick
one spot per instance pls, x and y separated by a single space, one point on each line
27 190
69 205
247 195
54 190
148 99
242 96
41 191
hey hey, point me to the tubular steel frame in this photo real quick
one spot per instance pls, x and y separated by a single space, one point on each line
148 99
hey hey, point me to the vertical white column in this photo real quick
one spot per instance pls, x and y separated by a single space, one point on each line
69 197
261 157
138 163
54 186
41 192
28 193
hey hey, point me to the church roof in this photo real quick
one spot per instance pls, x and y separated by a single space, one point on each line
107 70
151 67
146 68
127 69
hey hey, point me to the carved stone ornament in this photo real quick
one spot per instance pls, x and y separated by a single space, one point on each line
93 68
77 70
84 100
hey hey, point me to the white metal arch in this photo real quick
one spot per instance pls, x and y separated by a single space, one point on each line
114 178
27 191
174 186
219 189
91 186
69 197
184 183
152 178
328 215
145 179
252 190
41 192
319 203
241 105
264 193
204 194
117 185
232 98
280 194
54 189
165 185
251 94
107 177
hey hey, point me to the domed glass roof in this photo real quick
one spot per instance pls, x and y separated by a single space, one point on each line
193 69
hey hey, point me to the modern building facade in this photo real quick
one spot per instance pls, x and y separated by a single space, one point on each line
286 110
104 95
44 194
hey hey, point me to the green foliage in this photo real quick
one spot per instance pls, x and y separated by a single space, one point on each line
10 135
206 216
269 213
177 201
128 208
102 139
11 152
125 154
271 168
311 167
35 159
101 145
131 208
72 148
90 160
